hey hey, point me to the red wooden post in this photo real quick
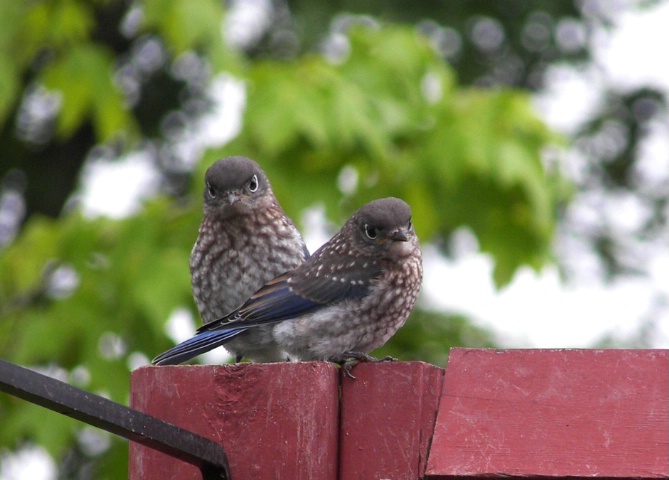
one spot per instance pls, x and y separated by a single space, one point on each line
553 413
387 419
510 413
275 421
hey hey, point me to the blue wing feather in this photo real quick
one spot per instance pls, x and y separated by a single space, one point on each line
275 302
291 295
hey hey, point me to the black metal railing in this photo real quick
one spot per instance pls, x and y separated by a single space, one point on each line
118 419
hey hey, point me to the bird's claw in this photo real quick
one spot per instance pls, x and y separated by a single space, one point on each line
348 360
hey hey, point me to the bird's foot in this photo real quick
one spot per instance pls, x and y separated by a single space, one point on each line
348 360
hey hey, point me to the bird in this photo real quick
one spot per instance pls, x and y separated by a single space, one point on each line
344 301
244 240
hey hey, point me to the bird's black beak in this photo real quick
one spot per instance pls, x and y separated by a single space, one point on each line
399 235
233 198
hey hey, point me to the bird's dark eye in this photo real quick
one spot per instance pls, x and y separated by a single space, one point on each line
410 225
371 232
253 184
211 190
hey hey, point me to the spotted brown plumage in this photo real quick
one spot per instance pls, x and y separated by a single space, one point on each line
347 299
245 239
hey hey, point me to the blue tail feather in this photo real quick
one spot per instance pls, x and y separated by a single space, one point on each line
197 345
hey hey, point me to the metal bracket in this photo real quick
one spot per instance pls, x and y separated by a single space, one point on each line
118 419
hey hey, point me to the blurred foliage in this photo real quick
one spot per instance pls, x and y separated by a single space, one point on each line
368 97
506 42
476 151
438 332
85 297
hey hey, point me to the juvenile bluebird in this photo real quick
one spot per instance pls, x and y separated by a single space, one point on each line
347 299
245 239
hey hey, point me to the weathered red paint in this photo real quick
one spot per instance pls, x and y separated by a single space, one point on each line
553 413
517 413
275 421
387 418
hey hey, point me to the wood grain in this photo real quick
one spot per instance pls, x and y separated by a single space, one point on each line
387 418
275 421
553 413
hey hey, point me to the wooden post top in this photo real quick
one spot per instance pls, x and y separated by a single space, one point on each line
489 413
553 413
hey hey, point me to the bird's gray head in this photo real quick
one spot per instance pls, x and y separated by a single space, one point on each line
234 186
384 226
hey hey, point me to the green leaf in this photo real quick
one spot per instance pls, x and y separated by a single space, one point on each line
9 88
83 76
69 21
191 25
